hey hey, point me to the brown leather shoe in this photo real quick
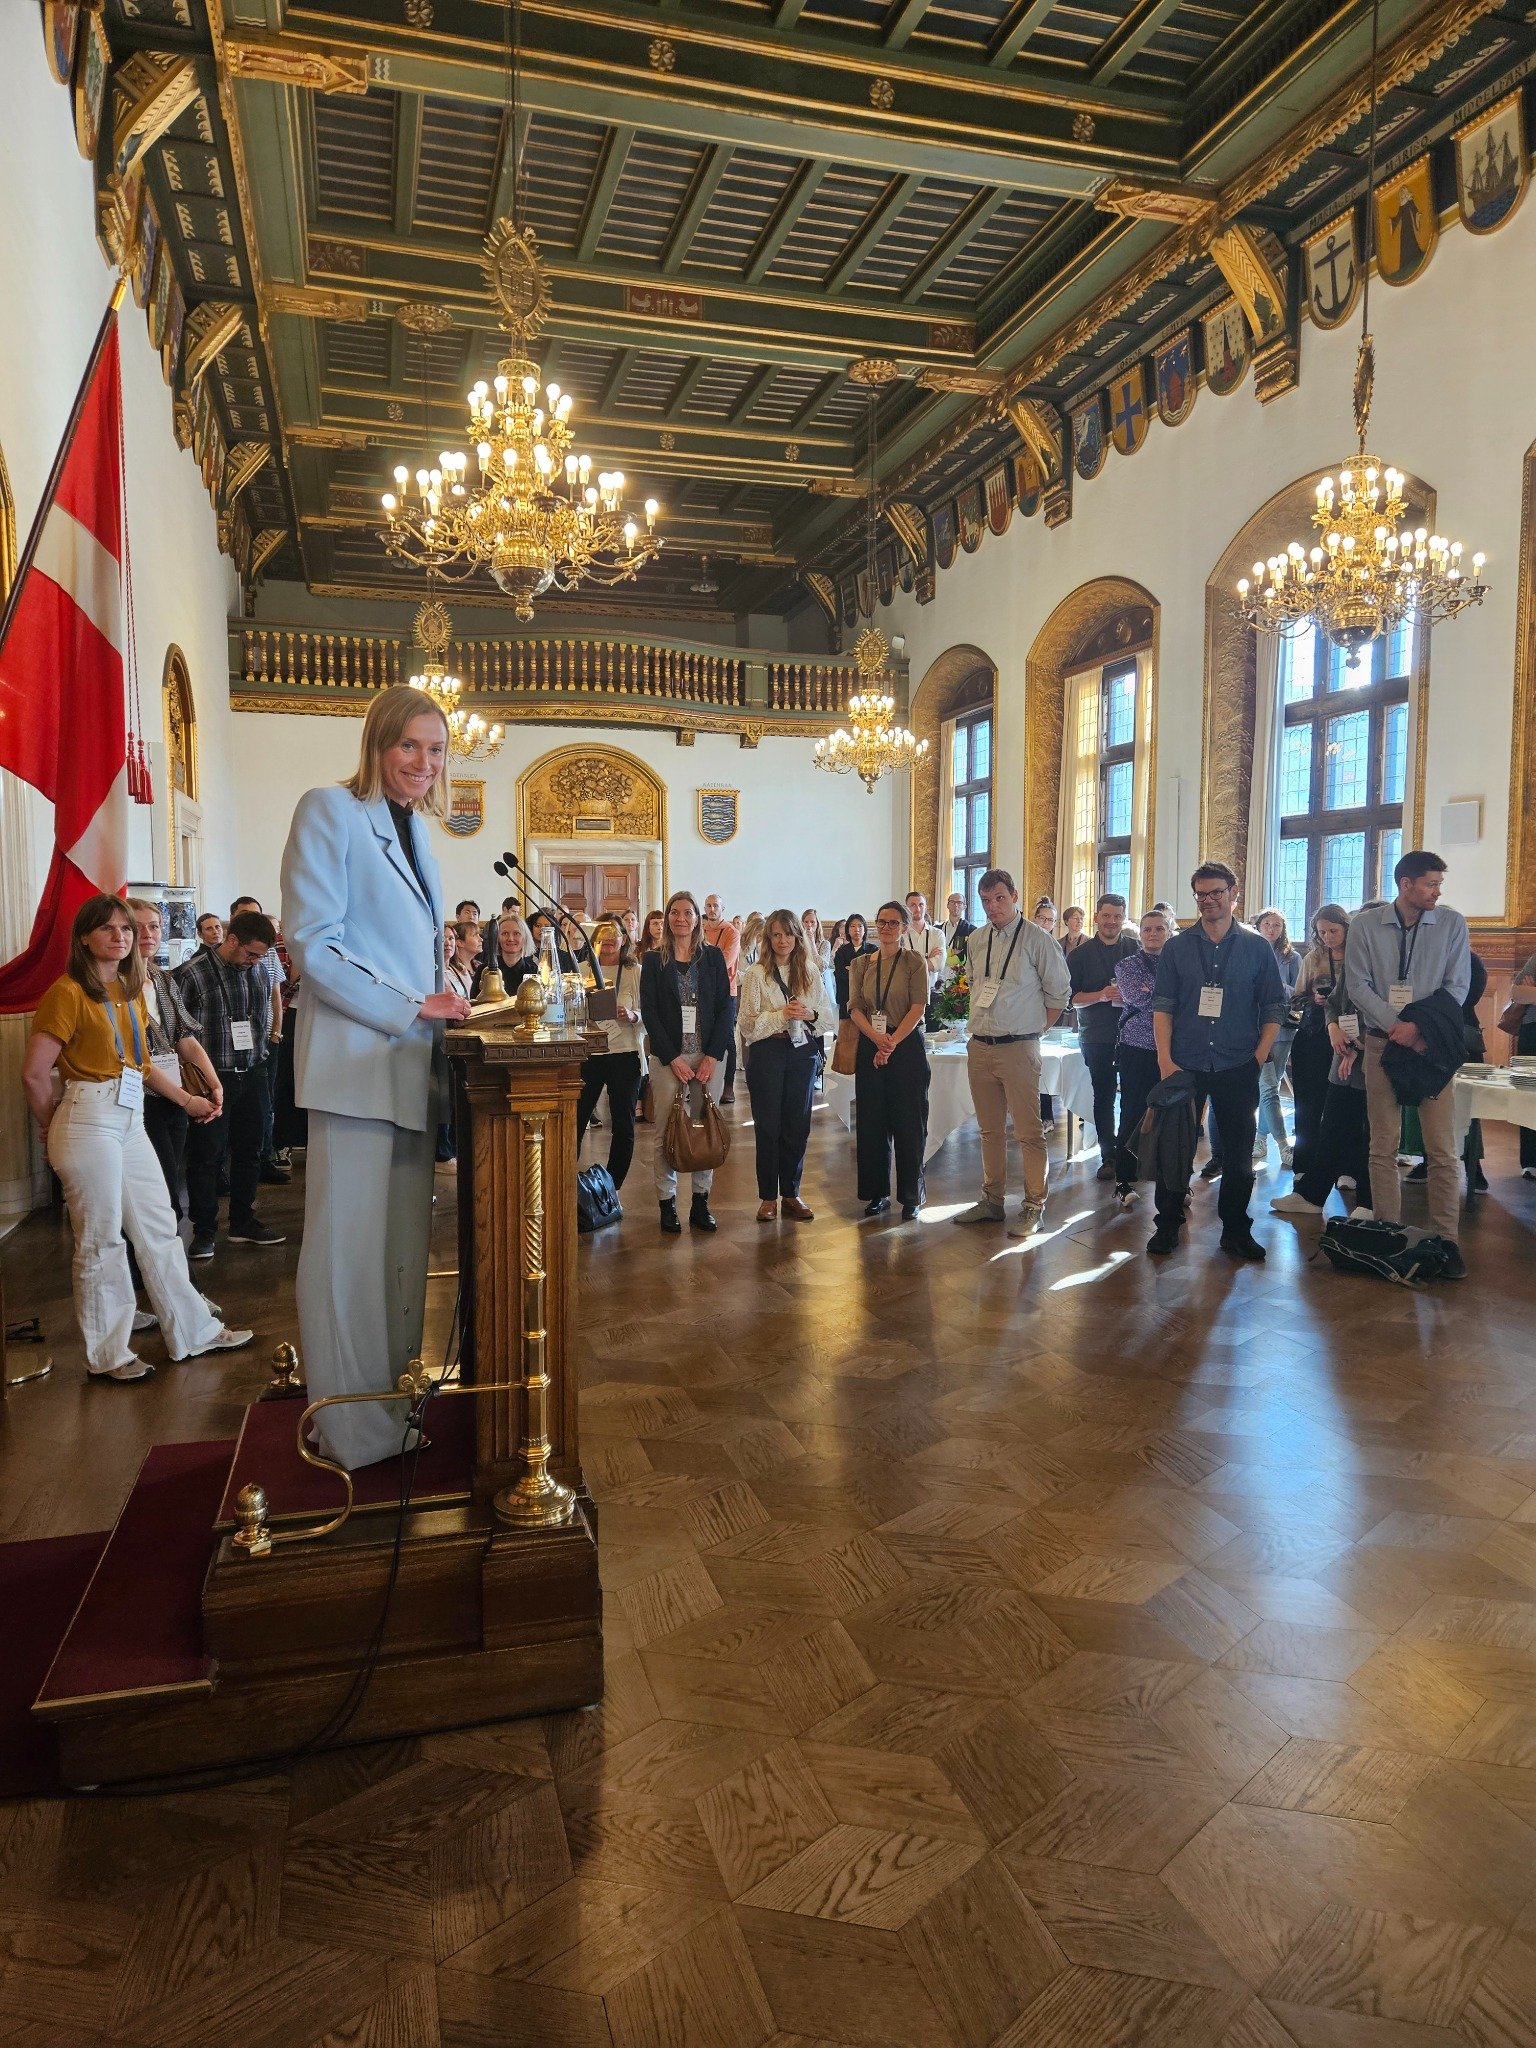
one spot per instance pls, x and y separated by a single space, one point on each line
793 1206
766 1211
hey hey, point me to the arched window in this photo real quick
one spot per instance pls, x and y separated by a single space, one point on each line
1338 771
970 740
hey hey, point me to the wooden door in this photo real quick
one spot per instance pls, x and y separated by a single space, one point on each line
593 889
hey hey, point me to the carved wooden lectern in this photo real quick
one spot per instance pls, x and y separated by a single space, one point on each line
495 1609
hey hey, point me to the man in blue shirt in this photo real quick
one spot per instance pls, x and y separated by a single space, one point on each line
1217 1007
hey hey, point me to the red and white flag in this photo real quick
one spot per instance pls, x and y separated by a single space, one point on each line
63 718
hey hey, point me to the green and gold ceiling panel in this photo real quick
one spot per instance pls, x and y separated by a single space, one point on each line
458 158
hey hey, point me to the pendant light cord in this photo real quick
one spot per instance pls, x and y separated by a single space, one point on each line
1365 358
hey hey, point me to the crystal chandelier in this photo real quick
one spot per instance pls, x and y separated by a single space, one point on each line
469 736
536 515
1369 570
875 746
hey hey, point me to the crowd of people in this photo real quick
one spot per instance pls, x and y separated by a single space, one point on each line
161 1094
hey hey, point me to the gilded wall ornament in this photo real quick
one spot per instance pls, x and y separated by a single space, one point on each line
590 783
662 54
1083 126
882 95
274 62
420 316
420 13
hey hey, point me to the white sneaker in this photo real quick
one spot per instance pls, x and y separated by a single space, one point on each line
226 1340
143 1322
1347 1180
1031 1216
1287 1158
981 1212
1361 1215
1528 1173
132 1369
1261 1153
1295 1205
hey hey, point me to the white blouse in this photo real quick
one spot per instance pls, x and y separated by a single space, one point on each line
760 1011
622 1035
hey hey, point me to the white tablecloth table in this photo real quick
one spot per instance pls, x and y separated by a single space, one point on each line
1062 1072
1498 1099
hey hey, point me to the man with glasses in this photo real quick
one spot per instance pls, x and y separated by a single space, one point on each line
1096 998
1217 1008
229 999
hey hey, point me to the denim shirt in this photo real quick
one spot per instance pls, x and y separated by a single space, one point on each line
1253 995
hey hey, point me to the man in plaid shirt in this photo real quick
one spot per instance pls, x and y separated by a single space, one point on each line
230 1001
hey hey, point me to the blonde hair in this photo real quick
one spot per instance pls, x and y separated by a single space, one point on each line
751 936
388 716
804 974
92 915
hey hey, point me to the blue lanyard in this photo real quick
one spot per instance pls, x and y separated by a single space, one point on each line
117 1036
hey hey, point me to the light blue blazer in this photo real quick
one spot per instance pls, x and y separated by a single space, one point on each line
369 949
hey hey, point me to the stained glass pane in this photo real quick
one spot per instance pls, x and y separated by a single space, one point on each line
1344 868
1342 677
1348 760
1119 786
1291 883
1394 754
962 753
1400 651
1297 659
981 823
1117 874
1295 771
1391 854
1120 709
960 829
981 750
957 882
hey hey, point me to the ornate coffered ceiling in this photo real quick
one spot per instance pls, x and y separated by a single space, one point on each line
736 200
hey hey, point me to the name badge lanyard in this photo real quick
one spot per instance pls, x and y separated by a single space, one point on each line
242 1030
881 994
1018 933
1212 992
795 1026
117 1036
1407 939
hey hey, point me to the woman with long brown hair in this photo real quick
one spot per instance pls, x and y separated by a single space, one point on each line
92 1026
887 995
781 1011
685 1002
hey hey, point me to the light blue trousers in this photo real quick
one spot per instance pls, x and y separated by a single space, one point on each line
362 1281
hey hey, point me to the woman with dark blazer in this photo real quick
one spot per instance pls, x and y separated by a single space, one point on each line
362 907
856 943
887 995
685 1004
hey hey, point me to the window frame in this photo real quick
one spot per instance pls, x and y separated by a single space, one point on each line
966 866
1112 846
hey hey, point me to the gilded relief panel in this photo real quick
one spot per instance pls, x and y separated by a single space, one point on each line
590 793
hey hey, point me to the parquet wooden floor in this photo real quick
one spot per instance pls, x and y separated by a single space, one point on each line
1007 1648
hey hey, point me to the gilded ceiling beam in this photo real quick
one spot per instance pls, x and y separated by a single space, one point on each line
1131 38
150 91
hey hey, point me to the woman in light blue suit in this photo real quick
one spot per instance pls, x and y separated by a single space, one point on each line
363 915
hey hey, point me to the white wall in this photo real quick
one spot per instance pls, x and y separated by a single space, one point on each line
805 838
1455 405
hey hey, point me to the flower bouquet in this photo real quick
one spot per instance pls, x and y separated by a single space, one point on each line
952 999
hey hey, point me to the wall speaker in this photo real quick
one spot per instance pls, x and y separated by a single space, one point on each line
1461 822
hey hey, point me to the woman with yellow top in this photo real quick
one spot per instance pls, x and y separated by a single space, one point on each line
92 1026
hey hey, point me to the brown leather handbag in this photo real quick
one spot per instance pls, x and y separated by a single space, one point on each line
845 1054
695 1147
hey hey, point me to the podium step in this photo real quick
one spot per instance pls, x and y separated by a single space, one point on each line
138 1630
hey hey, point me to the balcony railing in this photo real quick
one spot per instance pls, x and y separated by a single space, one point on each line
281 667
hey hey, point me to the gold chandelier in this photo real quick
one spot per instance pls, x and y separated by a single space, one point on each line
875 746
537 515
1369 570
469 735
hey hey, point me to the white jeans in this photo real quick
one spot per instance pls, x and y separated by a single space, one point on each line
113 1182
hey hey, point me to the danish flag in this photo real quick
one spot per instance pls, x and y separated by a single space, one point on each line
63 717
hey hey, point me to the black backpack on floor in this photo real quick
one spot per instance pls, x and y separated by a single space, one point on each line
1383 1251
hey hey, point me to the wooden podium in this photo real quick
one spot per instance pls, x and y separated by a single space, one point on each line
496 1609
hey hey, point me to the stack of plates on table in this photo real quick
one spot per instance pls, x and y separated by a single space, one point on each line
1477 1070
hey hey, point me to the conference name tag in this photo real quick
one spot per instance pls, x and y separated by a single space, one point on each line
877 1022
240 1034
130 1089
690 1020
1210 999
986 994
169 1064
1349 1024
1400 995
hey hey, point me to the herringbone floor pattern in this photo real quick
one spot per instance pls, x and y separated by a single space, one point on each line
1007 1648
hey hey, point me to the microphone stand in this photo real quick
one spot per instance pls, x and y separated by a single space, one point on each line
510 864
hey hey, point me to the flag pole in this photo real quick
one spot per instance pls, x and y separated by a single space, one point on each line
45 506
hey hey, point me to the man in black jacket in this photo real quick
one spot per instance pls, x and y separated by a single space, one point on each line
1096 998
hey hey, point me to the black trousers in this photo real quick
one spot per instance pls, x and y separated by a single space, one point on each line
268 1093
1311 1058
1234 1099
1099 1059
1526 1042
619 1073
289 1122
1138 1077
166 1126
892 1105
234 1135
730 1053
781 1079
1342 1145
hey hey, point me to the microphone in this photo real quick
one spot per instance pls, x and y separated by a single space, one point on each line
507 865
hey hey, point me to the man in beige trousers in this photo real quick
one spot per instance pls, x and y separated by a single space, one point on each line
1019 987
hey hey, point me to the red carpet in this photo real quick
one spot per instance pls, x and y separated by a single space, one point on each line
268 1454
140 1624
40 1588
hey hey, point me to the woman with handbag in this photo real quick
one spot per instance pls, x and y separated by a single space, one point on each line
685 1005
781 1007
617 1069
92 1025
887 995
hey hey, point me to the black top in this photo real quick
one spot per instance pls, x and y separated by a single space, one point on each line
513 973
402 817
661 1006
842 960
1092 966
